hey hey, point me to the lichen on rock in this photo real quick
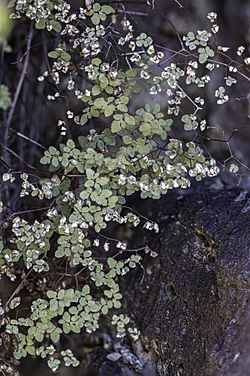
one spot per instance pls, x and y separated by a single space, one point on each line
192 307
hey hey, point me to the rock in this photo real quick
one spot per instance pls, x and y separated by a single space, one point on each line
114 369
191 302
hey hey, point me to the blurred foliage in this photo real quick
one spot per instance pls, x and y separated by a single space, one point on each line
5 99
6 23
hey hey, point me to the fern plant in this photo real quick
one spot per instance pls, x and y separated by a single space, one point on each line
129 150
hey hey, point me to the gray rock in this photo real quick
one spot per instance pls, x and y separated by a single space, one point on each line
192 305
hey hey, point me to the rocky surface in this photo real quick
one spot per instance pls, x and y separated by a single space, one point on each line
191 302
